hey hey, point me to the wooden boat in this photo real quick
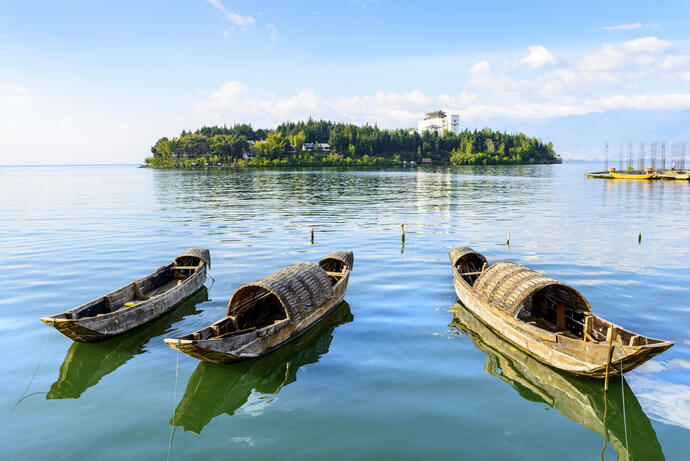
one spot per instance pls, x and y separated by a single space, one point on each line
547 319
137 303
619 175
266 314
578 398
85 364
213 390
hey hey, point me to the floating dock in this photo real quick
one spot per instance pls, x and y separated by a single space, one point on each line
675 175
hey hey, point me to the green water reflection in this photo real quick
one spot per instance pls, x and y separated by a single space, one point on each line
578 398
216 389
86 363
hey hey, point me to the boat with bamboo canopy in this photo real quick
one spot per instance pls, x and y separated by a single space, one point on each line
136 303
547 319
614 415
266 314
213 390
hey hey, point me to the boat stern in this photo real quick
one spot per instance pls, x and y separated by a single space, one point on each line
630 358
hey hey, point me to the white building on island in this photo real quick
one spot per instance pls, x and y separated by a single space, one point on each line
439 122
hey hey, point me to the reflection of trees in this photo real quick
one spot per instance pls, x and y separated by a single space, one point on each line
216 389
578 398
86 363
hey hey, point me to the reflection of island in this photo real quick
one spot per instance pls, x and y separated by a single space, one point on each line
86 363
578 398
216 389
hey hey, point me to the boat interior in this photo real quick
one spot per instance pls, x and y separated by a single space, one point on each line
335 269
253 308
164 279
558 309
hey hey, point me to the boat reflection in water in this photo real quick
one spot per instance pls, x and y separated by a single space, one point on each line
579 398
216 389
86 363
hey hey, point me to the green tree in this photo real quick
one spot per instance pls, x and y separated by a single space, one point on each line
298 141
273 146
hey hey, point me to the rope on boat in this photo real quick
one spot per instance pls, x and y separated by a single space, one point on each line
625 423
177 373
606 431
214 280
24 395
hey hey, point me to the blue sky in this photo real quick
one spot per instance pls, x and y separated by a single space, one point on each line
96 82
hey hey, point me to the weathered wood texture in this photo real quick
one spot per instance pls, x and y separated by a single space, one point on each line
522 306
576 397
136 303
268 313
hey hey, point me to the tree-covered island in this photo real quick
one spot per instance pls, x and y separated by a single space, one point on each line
325 143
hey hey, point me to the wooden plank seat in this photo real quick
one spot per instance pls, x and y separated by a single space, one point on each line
236 332
181 268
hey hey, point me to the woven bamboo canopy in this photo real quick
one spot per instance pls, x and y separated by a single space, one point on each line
467 255
345 257
507 285
300 288
201 253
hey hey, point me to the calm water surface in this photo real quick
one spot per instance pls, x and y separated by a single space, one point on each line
397 372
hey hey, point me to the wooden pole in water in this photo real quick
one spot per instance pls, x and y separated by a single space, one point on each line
312 235
639 238
610 334
508 239
402 230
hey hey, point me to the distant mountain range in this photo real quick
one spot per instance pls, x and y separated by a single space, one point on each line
583 137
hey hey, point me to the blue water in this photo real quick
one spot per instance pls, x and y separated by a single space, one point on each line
391 375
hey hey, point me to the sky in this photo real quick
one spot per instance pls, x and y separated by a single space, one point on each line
99 82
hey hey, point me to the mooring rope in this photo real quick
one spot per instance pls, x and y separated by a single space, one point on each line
625 423
177 373
214 280
606 431
24 396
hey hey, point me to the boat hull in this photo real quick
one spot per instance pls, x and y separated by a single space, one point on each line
564 353
632 176
258 343
103 327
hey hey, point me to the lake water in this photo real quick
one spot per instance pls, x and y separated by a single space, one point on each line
399 372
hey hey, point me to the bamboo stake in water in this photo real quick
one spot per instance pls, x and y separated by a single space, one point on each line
508 239
402 230
312 235
639 238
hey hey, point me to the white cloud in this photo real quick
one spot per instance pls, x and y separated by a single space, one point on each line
633 26
646 45
273 32
15 96
235 19
641 51
663 400
233 102
538 57
675 61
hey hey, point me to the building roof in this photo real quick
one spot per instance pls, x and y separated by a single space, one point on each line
435 114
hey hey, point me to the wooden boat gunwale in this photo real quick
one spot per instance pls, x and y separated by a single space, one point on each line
557 349
575 397
304 307
90 322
